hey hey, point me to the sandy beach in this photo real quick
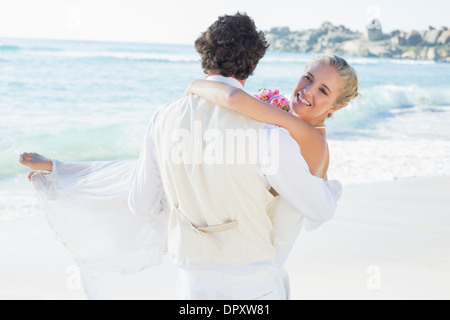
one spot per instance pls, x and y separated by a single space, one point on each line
388 240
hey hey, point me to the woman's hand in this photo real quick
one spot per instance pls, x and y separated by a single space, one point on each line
190 89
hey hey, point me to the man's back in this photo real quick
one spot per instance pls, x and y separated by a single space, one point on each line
207 155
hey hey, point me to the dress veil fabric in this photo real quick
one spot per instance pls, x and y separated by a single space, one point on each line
86 204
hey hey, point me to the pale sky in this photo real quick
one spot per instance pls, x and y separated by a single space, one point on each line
181 21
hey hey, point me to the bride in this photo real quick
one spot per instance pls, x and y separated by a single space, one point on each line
86 203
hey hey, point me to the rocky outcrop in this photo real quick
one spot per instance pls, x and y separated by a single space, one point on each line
413 38
432 44
444 38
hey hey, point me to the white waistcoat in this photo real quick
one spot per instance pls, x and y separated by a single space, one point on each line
218 203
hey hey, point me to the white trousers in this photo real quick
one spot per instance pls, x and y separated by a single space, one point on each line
156 283
266 284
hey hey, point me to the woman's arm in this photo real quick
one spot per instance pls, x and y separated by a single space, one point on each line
312 144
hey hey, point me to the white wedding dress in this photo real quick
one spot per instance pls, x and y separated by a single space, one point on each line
86 204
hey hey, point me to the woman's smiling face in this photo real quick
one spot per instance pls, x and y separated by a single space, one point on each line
316 92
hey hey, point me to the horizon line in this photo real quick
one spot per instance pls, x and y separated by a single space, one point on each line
92 40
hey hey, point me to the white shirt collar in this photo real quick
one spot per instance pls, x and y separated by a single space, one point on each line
227 80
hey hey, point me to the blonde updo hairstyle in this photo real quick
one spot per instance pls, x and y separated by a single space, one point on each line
348 75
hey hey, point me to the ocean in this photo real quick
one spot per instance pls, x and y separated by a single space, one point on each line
83 100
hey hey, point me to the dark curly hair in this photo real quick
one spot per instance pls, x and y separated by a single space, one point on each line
232 46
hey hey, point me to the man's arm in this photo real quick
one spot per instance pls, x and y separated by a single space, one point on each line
146 193
288 173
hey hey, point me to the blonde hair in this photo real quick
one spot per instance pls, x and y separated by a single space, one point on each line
348 75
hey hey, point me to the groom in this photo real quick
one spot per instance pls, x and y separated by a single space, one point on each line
220 232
